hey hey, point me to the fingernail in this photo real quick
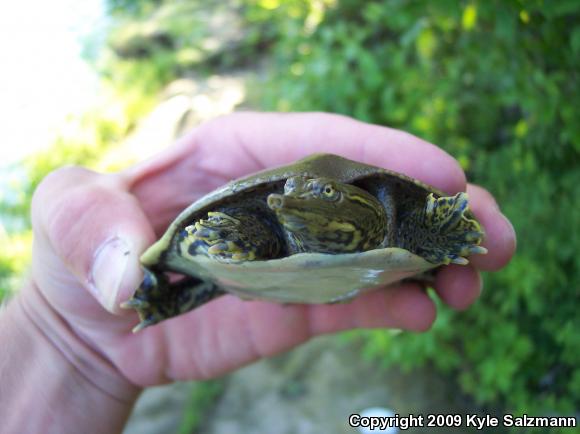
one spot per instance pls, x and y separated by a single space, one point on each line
109 268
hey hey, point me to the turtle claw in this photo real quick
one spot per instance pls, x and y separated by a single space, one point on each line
471 249
467 251
473 236
135 303
143 324
477 250
228 250
218 249
200 232
460 261
243 256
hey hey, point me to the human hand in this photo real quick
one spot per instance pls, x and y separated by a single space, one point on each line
90 230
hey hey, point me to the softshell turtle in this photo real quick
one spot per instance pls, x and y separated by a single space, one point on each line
321 230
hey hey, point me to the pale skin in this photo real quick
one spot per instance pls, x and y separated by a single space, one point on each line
67 347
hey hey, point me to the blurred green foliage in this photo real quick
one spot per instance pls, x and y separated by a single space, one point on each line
84 139
496 85
202 398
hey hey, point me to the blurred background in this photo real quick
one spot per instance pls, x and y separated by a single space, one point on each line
105 83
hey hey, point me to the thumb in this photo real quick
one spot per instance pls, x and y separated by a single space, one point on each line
89 226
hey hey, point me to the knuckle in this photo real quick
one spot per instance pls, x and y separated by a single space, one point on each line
68 220
75 204
57 180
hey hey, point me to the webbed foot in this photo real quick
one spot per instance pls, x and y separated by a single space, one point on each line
157 299
451 236
235 238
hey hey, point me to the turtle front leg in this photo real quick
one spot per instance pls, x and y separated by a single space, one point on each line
443 234
241 237
157 299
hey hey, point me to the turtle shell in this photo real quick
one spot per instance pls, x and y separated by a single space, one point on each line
302 277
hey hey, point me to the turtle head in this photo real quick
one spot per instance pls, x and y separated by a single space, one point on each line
326 216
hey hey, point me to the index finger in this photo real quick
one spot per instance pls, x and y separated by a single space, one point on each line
238 144
274 139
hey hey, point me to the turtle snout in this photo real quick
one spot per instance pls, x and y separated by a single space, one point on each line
276 201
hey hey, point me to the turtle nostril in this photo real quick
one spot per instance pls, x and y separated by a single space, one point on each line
275 201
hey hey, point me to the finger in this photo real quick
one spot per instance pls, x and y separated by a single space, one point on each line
271 139
500 237
230 332
405 306
94 229
235 145
458 285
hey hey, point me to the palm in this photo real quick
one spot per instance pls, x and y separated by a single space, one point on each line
228 332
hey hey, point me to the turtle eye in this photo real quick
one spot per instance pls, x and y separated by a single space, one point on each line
329 192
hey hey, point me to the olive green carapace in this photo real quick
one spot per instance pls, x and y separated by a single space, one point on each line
321 230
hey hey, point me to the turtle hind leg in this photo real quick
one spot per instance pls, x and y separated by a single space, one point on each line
443 234
157 299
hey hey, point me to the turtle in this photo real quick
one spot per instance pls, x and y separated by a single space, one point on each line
321 230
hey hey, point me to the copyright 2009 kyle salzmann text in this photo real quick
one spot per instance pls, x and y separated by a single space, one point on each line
459 420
